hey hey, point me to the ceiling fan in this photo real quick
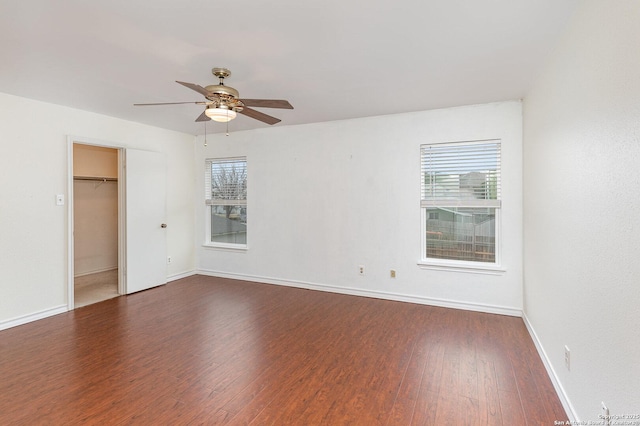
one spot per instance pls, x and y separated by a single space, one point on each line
224 102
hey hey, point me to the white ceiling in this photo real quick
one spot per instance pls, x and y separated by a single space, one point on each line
332 59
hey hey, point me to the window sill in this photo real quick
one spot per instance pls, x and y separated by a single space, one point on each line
226 247
468 267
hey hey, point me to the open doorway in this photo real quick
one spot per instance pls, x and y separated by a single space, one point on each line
131 243
95 224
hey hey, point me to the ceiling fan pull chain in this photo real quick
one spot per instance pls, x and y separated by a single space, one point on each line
205 133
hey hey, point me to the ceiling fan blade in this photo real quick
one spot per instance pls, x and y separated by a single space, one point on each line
195 87
259 116
170 103
202 117
267 103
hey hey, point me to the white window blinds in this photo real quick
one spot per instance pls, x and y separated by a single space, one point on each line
461 174
225 181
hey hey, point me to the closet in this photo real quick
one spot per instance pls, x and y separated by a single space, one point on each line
95 223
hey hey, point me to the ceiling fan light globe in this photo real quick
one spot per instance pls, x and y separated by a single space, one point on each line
221 115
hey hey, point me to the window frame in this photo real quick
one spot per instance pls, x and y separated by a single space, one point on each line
493 268
210 204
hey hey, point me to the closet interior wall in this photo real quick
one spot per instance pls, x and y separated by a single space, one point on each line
95 209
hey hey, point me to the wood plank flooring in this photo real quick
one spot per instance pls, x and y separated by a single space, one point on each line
213 351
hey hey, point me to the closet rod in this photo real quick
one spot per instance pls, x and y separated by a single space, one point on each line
97 179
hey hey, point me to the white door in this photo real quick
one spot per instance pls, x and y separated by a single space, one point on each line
145 195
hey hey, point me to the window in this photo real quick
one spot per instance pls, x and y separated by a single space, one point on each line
226 201
460 202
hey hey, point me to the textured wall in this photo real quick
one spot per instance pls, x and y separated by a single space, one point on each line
34 169
582 198
327 197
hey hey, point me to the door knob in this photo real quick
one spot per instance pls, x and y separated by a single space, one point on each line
164 225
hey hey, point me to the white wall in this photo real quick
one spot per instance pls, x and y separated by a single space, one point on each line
325 198
582 198
33 169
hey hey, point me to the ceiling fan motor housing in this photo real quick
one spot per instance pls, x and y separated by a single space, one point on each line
224 97
221 89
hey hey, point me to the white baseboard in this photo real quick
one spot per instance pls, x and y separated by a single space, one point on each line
33 317
13 322
564 399
96 271
180 275
501 310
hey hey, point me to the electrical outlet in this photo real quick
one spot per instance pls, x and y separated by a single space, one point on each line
168 260
361 269
567 357
392 273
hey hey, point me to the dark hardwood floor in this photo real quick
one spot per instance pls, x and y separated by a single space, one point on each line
205 350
